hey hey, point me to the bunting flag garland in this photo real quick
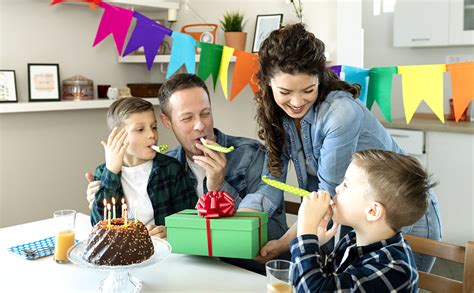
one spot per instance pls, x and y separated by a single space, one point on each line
419 82
224 68
210 60
462 80
182 52
360 76
147 34
380 89
92 3
115 21
337 69
245 70
422 82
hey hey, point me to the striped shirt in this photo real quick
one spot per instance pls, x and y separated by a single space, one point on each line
384 266
169 189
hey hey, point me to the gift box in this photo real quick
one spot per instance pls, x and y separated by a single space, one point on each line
239 236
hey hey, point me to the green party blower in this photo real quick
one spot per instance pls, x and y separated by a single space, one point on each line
160 148
285 187
216 147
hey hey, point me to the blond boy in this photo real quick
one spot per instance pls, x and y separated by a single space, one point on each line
382 191
153 185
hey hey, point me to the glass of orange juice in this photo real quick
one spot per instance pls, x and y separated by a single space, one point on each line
279 276
64 221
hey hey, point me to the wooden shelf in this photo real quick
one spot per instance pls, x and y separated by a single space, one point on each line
158 59
24 107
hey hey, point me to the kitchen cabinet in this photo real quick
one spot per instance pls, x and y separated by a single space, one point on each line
421 23
451 164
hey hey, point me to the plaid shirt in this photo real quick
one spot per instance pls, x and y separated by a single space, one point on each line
169 189
384 266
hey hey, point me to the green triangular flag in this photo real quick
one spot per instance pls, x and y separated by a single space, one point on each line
380 89
210 61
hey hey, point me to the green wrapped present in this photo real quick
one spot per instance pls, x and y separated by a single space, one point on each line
239 236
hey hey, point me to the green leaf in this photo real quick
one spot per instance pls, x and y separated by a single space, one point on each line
233 21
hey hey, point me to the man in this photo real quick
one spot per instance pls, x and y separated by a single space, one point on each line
186 110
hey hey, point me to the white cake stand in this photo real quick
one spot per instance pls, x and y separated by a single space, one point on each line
119 278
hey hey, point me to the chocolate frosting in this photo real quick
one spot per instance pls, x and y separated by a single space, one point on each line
117 244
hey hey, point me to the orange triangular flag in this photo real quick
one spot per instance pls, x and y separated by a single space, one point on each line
245 70
462 80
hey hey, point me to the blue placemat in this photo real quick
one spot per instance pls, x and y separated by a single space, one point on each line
42 248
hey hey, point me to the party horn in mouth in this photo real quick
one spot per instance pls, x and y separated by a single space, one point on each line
160 148
216 147
285 187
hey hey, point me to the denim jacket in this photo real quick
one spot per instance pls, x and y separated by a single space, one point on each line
243 173
331 132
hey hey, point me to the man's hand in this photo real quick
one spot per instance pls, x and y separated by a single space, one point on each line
92 188
247 210
214 163
158 231
312 211
115 148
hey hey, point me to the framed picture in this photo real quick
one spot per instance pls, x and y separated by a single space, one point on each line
263 27
8 86
43 82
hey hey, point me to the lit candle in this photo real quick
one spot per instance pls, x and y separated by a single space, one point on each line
105 209
113 206
108 213
125 214
135 213
123 202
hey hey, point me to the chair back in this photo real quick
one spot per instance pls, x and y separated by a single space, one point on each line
456 253
292 207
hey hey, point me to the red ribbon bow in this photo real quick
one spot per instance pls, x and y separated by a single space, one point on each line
215 204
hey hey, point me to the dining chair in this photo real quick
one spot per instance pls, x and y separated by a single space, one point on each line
456 253
292 207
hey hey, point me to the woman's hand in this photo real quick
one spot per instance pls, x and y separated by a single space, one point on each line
157 231
115 148
272 250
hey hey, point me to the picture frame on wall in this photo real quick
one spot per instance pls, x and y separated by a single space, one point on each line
264 25
8 93
43 82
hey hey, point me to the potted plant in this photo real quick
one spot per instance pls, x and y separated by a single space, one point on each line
233 24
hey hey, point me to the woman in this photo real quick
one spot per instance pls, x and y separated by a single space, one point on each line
307 115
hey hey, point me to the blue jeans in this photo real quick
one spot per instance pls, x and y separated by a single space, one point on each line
429 226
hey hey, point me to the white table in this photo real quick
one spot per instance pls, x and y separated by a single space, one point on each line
177 273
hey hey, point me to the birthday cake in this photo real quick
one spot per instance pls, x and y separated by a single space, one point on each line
118 244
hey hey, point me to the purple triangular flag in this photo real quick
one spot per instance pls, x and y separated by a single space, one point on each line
115 21
147 34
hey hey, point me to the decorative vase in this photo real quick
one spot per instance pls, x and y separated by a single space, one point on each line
236 40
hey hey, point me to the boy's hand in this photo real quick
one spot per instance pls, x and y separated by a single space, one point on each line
92 188
214 163
115 148
312 211
158 231
324 235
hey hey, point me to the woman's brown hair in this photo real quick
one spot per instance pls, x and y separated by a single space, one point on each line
292 50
